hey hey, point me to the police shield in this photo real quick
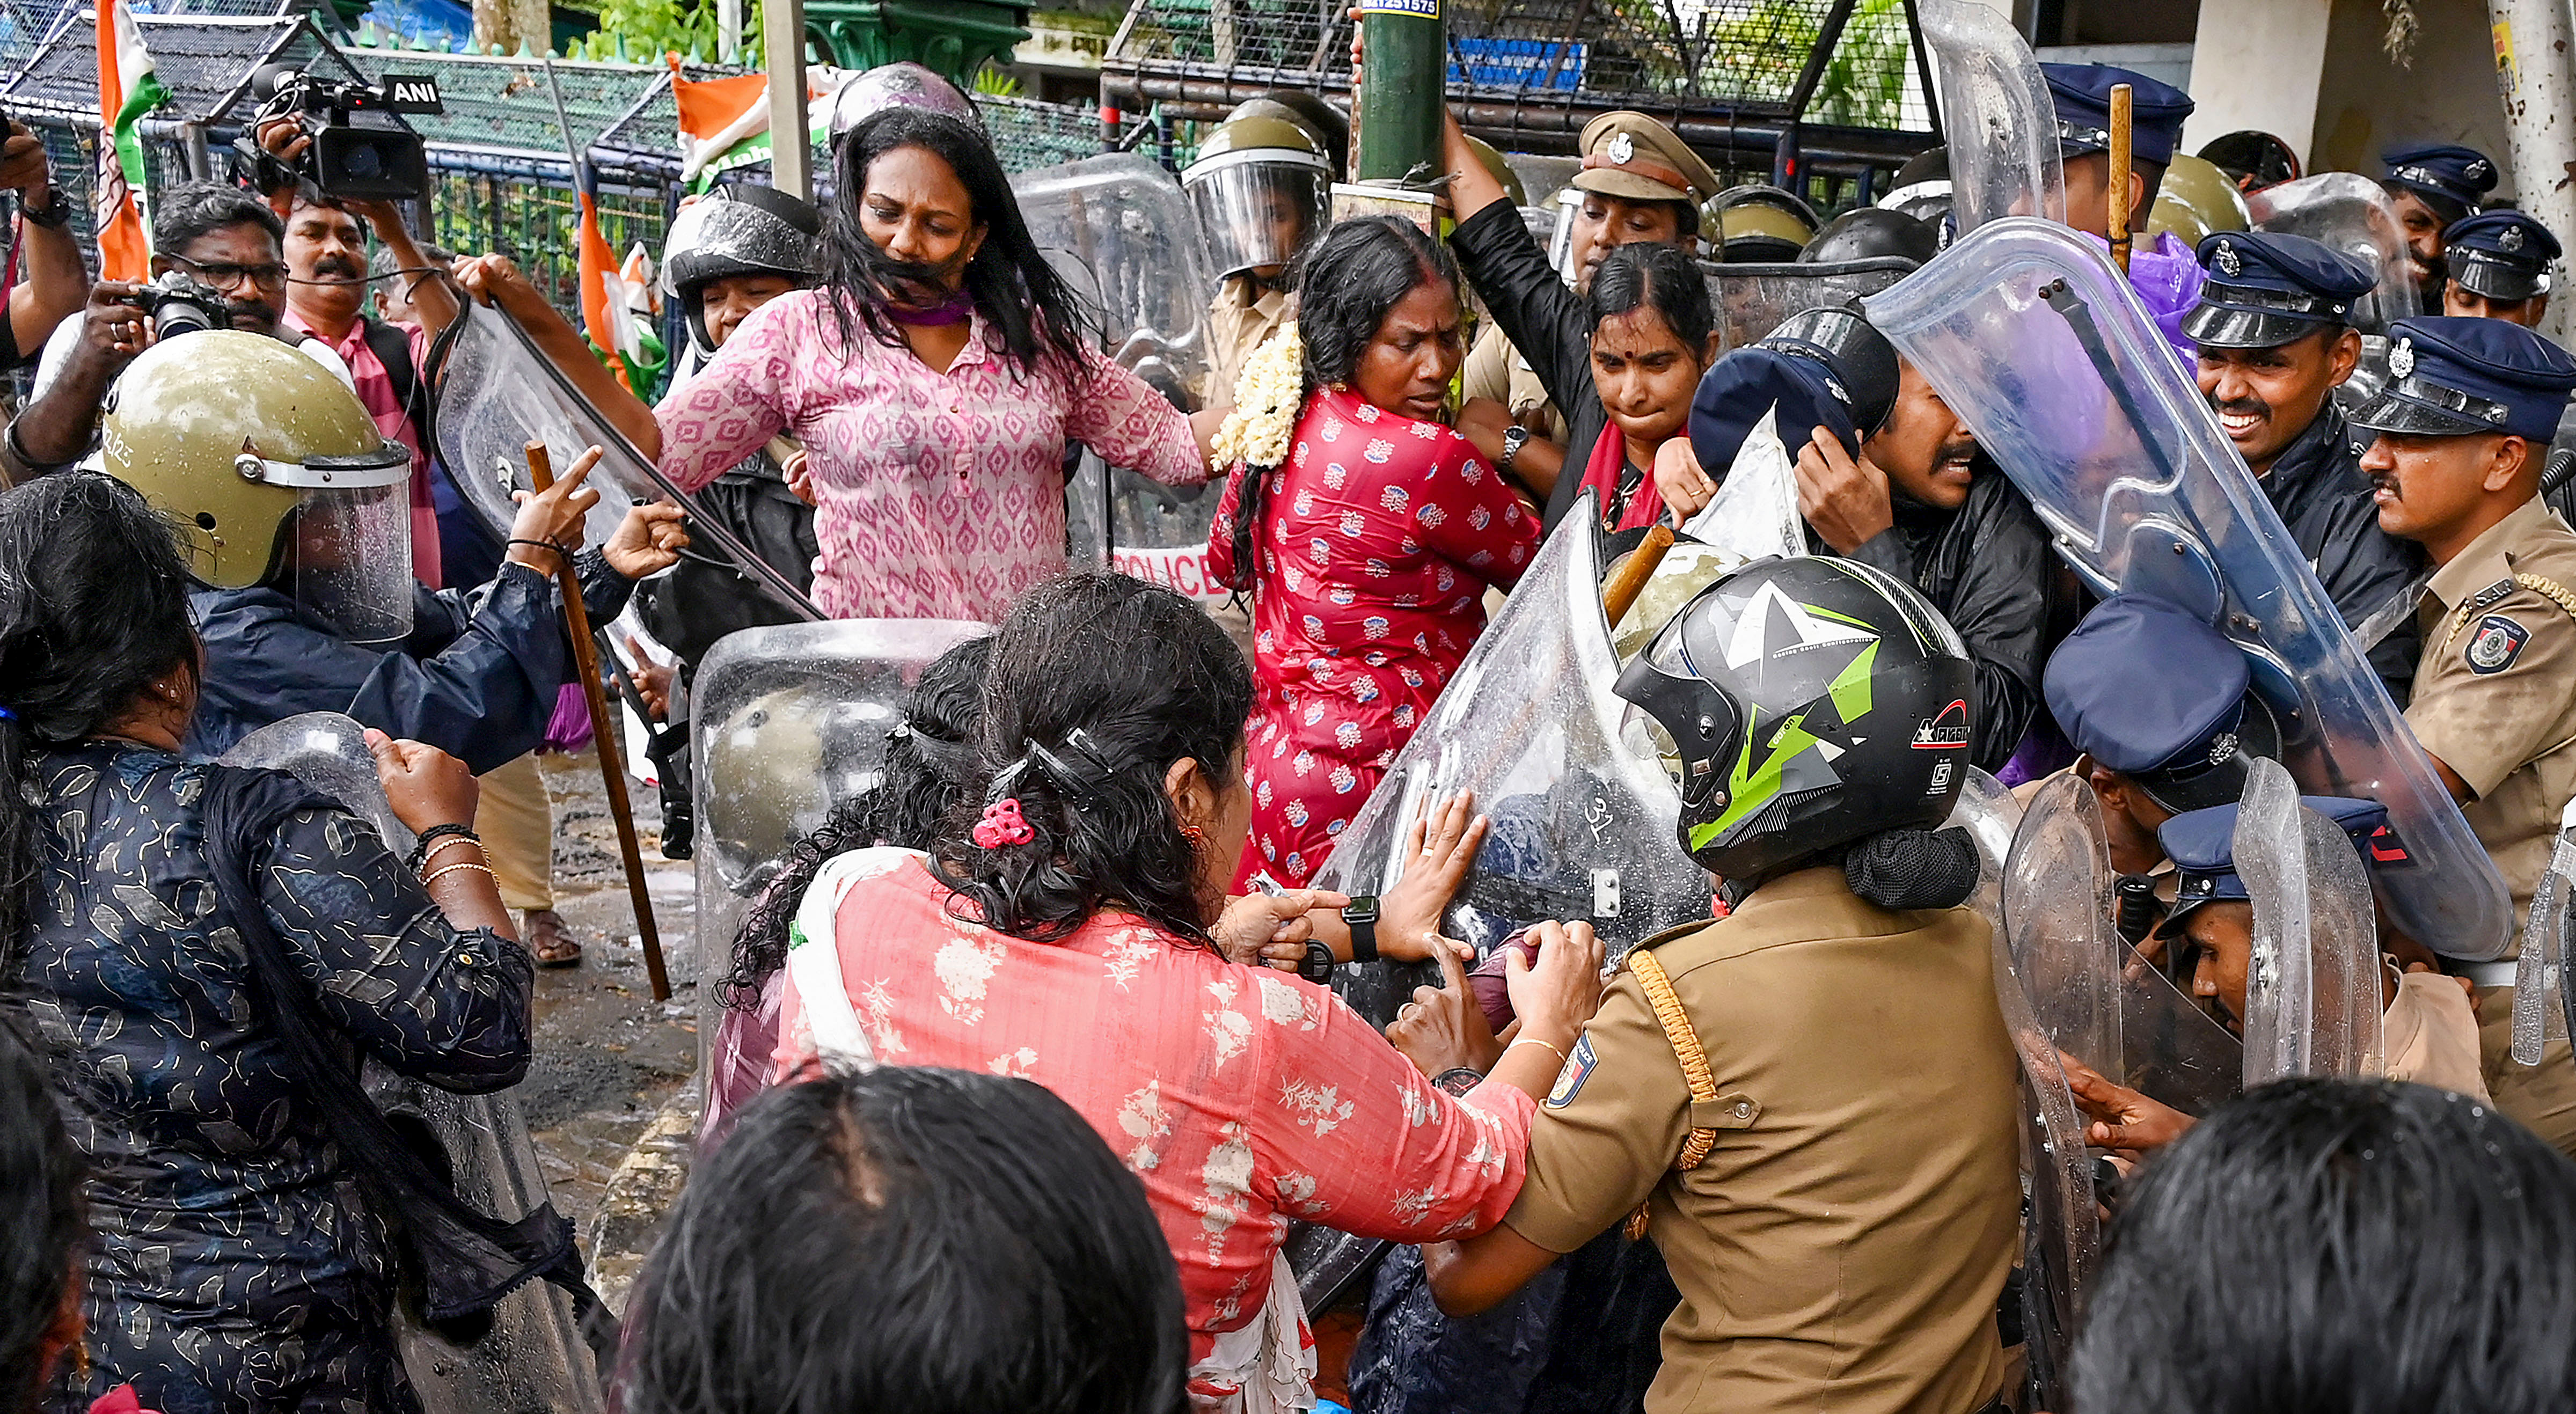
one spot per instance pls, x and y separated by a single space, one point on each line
2062 1241
1996 115
533 1360
1119 230
2349 212
2541 1012
496 393
2031 336
2312 990
1584 824
1754 516
791 722
1751 300
2057 918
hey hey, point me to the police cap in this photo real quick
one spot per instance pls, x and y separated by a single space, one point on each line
2266 289
2456 377
2202 846
2500 255
1635 158
2451 178
2083 96
2162 698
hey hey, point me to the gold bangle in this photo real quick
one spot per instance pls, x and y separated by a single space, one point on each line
447 840
1534 1041
437 874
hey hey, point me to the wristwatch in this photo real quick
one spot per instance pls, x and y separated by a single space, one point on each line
1317 965
57 212
1361 914
1457 1080
1514 438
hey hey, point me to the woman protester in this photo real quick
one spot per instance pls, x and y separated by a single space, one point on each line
1622 363
1064 932
191 940
934 377
1366 530
908 1238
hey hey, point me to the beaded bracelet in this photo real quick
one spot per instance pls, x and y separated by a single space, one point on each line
439 874
450 840
420 846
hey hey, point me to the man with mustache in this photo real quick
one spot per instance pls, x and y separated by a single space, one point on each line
2461 427
2434 185
2274 345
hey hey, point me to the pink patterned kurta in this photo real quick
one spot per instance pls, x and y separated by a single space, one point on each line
1243 1097
1376 542
938 495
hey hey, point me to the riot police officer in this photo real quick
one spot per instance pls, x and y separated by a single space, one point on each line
2434 185
1838 1214
2275 342
2499 267
1258 188
2469 406
2160 266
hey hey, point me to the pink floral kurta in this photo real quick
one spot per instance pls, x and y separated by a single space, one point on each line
938 495
1376 543
1243 1097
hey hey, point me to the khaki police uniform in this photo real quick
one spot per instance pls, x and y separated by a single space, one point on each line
1842 1243
1238 322
2495 700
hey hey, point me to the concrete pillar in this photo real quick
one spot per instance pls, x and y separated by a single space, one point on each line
2535 81
2258 64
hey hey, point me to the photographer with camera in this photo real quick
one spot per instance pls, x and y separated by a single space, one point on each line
217 262
55 281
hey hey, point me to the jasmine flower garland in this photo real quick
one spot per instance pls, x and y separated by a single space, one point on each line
1267 397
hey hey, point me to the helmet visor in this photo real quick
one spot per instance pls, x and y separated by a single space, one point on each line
349 555
1257 207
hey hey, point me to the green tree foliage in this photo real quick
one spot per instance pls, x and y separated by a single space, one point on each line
644 30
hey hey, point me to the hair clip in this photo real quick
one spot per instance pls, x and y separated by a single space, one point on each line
1002 824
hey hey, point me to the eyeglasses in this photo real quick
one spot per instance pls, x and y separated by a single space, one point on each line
223 275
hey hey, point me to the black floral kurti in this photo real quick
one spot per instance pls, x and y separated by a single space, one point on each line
233 1266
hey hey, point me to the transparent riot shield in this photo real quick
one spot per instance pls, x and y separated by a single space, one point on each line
2541 1012
2351 213
1583 827
1753 516
2036 342
791 722
2062 1241
533 1360
2312 989
2058 920
495 393
1751 300
1996 113
1120 230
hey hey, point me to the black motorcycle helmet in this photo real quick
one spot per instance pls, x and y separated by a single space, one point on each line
1803 704
738 230
1869 232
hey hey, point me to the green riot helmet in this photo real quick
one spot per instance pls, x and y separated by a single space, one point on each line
1257 188
1501 170
2196 199
275 472
1758 224
1803 704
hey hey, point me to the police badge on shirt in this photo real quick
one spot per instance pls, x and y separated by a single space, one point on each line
2495 644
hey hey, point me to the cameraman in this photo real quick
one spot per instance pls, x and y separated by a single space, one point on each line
55 281
218 236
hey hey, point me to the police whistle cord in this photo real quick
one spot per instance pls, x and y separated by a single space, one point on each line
603 730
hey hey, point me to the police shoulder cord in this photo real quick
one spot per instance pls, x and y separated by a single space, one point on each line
2549 589
1694 1061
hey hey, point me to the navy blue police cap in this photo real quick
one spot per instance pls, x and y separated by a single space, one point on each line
1824 367
2083 96
2202 846
2451 177
2162 698
2500 255
2455 377
2265 290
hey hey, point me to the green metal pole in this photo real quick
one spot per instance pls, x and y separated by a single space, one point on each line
1403 83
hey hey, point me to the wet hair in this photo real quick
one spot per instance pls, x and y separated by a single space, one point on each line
192 210
909 1238
2364 1246
1019 295
1099 682
383 262
1346 284
1642 273
927 758
41 1172
93 609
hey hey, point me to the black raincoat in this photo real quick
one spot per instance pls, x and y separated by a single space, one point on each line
2317 486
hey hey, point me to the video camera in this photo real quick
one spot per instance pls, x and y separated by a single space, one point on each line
347 161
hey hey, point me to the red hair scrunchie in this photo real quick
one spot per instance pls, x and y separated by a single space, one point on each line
1002 824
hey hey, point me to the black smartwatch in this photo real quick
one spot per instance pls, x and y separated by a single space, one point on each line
57 212
1361 914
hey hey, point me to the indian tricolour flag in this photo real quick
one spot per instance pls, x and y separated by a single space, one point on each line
127 89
